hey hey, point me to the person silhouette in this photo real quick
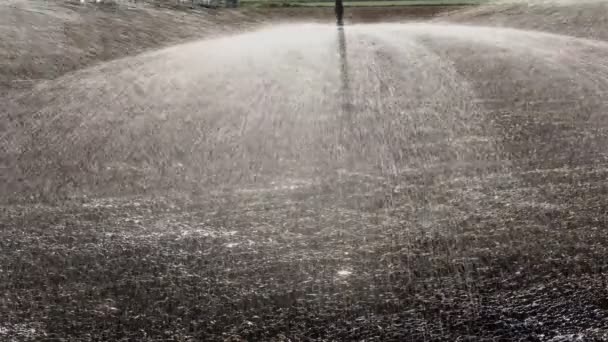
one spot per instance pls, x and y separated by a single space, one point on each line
339 9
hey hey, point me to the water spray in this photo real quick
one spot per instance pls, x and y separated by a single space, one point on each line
344 77
345 87
344 91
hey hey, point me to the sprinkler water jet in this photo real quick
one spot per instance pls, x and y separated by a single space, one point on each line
339 9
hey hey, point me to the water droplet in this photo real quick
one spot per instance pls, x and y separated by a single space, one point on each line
344 273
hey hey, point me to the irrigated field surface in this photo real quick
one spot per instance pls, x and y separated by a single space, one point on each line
390 182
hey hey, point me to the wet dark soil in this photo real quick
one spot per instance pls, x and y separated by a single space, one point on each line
305 265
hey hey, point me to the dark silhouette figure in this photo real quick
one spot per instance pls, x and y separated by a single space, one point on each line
339 12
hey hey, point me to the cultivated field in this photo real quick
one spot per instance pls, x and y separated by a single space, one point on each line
401 181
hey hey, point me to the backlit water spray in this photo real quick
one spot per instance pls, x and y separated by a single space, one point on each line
345 87
263 106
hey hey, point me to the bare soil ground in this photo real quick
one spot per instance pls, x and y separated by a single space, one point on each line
511 245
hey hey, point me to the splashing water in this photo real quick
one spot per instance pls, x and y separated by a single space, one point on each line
344 273
283 102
